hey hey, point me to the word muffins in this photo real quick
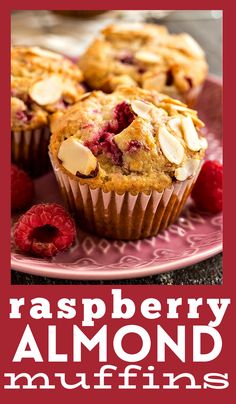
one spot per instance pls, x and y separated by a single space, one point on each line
126 161
42 82
148 56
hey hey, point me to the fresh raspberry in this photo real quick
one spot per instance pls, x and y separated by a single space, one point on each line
22 189
44 230
207 192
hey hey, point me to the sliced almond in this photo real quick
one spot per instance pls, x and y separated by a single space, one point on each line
141 108
147 57
35 50
203 143
196 120
170 146
47 91
77 158
84 96
175 124
188 169
182 108
192 46
190 134
170 100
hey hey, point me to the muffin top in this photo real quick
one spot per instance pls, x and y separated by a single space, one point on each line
42 82
130 140
146 55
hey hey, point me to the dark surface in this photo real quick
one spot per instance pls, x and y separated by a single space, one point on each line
206 28
208 272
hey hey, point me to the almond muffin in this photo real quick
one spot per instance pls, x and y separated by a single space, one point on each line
126 161
146 55
42 82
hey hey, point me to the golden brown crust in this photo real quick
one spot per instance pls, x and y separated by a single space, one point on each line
145 55
132 157
31 67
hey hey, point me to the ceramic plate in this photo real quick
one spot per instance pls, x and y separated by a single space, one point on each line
194 237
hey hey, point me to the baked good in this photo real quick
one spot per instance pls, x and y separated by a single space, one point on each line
146 55
42 82
126 161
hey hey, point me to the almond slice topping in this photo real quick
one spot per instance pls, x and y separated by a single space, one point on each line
192 46
195 119
170 146
175 124
190 134
182 108
188 169
85 95
141 108
47 91
147 57
77 158
203 143
35 50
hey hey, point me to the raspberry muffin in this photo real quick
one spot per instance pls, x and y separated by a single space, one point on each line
126 161
42 82
148 56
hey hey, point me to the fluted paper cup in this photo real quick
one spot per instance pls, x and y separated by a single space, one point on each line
126 216
29 150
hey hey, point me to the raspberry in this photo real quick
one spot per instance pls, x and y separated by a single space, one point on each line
207 192
123 116
44 230
133 146
22 189
21 116
103 143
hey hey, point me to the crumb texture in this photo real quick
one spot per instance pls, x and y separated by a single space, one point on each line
136 141
42 82
146 55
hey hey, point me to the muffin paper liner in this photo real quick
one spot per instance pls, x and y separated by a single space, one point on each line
29 150
126 216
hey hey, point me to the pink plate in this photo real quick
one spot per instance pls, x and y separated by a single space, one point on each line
194 237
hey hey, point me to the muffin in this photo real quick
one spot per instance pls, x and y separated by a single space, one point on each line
126 161
42 82
146 55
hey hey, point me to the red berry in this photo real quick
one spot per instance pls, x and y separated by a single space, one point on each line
207 192
22 188
44 230
133 146
103 142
